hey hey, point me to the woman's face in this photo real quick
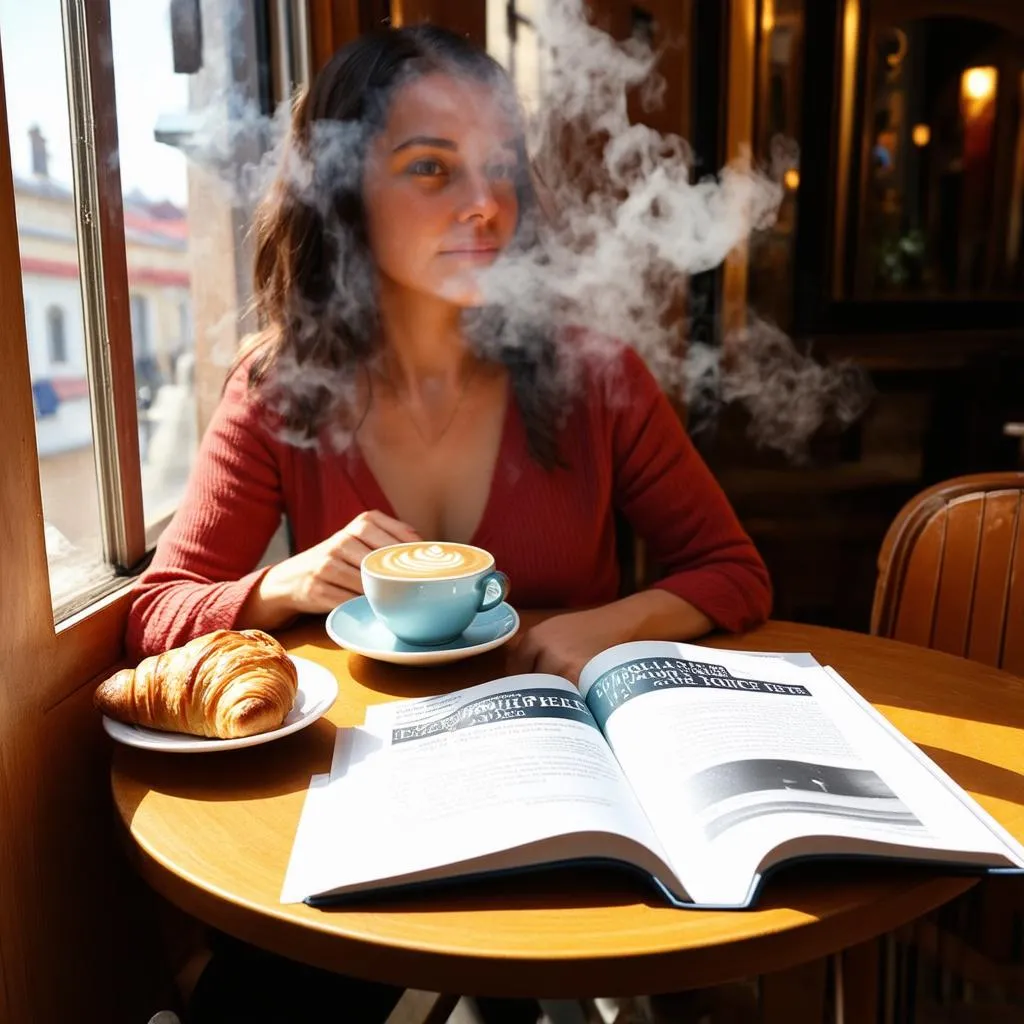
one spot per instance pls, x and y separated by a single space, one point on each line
440 187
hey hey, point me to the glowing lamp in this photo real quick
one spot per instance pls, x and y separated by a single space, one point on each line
978 85
921 135
978 106
791 179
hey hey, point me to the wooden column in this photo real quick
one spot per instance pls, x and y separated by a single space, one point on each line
332 23
739 141
467 17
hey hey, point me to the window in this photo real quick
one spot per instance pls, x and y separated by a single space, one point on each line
38 127
187 143
513 41
942 183
55 336
112 227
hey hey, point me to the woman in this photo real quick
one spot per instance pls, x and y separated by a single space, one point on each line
372 408
382 401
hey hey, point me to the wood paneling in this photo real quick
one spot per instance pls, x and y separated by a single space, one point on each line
673 42
68 947
673 21
25 619
332 23
467 17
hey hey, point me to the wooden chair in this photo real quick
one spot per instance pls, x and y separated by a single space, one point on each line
951 577
951 571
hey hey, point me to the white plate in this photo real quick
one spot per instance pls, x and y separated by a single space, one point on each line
317 691
353 625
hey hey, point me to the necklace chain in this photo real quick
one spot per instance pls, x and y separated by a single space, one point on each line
432 442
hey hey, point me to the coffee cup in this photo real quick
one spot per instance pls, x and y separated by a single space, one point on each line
427 592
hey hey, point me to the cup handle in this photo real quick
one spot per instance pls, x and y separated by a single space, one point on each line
503 584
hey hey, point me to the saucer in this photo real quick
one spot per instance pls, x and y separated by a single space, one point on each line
353 625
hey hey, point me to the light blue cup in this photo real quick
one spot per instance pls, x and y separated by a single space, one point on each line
434 610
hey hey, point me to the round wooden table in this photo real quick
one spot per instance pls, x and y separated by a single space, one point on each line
213 832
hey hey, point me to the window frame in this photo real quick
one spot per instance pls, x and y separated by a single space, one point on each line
103 267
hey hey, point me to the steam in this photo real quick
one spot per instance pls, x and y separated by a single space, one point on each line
626 227
629 226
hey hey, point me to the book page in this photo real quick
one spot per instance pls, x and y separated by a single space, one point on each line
432 783
734 757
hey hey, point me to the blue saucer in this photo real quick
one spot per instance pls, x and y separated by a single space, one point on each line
353 625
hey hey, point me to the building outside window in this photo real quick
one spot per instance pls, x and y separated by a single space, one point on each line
56 337
140 326
513 41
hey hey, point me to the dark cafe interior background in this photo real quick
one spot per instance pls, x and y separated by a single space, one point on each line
899 245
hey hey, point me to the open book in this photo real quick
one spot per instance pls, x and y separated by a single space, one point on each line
703 769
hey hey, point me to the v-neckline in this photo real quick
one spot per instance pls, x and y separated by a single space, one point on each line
369 489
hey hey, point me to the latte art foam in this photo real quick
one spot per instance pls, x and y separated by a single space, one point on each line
425 561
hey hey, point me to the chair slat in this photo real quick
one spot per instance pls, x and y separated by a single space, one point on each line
955 598
992 583
1013 641
918 593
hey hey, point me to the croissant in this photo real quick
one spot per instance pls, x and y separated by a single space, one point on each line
225 684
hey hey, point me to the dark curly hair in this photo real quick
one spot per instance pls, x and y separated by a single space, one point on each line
314 282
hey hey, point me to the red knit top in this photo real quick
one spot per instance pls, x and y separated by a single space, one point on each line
551 531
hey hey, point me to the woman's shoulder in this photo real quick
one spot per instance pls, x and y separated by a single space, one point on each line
243 399
276 394
608 368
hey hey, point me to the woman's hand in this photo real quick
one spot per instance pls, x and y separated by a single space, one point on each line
564 644
321 577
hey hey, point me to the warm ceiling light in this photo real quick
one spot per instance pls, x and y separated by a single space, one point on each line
768 17
978 84
921 135
791 179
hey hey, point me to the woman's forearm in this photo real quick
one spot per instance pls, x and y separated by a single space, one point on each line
269 605
657 615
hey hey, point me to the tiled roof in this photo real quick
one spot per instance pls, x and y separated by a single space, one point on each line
158 224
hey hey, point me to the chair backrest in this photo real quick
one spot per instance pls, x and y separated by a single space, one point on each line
951 571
